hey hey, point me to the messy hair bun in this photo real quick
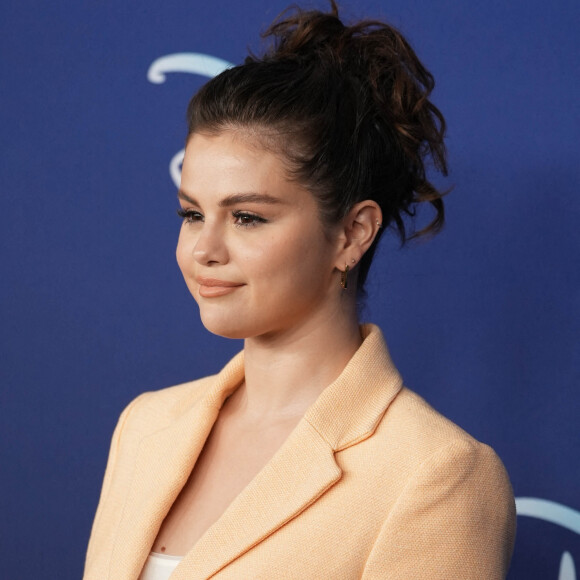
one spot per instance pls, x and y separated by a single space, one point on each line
347 107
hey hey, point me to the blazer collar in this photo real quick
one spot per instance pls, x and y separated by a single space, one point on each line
349 409
346 413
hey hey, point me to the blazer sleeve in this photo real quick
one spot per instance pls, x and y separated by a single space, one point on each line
454 519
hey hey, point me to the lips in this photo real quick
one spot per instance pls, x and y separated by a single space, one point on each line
212 287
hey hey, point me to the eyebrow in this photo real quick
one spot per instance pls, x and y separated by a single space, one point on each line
235 199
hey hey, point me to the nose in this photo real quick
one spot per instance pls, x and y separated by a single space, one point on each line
210 246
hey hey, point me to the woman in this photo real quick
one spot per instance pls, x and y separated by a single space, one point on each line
305 457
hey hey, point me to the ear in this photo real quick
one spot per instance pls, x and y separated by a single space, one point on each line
358 231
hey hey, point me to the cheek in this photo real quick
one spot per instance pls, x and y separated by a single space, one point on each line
287 261
183 255
179 254
272 257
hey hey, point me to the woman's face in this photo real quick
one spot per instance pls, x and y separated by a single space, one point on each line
252 249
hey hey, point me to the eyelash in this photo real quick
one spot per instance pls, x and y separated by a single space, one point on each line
191 216
188 215
254 219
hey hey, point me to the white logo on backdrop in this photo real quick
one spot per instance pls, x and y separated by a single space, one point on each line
558 514
184 62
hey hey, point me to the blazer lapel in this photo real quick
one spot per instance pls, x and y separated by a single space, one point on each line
302 470
163 464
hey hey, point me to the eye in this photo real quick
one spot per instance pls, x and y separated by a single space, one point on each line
247 220
189 216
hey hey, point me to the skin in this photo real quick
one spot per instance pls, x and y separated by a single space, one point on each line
262 267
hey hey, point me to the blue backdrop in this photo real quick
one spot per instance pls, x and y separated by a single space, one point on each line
483 321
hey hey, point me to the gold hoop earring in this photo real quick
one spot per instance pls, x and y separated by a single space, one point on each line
344 277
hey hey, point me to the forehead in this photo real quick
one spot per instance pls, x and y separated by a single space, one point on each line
227 150
233 161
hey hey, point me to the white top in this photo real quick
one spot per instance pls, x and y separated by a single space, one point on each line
159 566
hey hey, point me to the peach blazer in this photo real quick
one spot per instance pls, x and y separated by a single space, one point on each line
372 483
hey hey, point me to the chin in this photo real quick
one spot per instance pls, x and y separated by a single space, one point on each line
225 327
239 327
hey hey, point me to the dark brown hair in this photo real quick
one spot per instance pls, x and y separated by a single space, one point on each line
347 107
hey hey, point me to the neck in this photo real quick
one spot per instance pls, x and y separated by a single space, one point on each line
285 373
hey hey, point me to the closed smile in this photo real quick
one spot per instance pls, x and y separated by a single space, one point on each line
211 287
